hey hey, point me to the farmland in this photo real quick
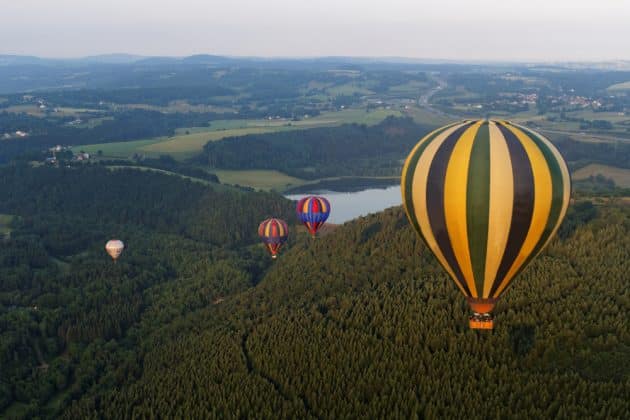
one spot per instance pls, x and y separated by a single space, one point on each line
176 119
620 176
259 179
182 145
620 86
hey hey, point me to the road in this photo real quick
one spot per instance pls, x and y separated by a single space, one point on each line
425 100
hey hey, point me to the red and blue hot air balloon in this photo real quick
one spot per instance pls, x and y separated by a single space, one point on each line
313 212
274 233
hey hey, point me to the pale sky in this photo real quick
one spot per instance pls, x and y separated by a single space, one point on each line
505 30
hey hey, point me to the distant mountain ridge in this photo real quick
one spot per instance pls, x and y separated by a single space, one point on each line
126 58
27 73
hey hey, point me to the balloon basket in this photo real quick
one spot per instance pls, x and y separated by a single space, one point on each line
481 322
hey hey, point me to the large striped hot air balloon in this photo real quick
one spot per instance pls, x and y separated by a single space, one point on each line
274 233
486 197
313 212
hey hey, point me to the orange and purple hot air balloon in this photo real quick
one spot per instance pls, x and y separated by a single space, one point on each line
313 212
274 233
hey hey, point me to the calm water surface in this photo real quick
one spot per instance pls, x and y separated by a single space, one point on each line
350 205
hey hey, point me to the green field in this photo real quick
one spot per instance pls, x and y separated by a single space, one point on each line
427 116
587 137
613 117
413 88
620 86
183 146
161 171
5 220
259 179
35 111
120 150
262 179
93 122
186 145
177 106
349 89
619 175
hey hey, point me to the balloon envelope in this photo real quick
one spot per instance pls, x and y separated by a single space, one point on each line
313 211
486 197
273 233
114 248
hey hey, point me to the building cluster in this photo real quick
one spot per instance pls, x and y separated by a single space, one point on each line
577 101
15 135
63 153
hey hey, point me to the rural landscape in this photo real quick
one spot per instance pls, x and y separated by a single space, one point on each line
198 112
185 163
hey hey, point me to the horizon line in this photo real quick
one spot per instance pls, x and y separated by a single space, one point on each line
319 57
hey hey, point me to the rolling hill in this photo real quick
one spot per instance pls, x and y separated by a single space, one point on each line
196 322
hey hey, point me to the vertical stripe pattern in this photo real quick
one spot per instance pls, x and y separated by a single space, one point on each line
274 233
313 212
486 197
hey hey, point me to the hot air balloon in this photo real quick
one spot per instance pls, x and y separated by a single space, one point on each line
486 197
114 248
313 212
274 233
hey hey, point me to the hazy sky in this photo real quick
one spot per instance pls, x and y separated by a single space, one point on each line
449 29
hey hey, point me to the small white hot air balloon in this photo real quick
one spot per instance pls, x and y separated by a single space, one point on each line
114 248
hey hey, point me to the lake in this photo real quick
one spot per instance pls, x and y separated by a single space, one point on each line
350 205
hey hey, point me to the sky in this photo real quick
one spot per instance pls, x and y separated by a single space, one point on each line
497 30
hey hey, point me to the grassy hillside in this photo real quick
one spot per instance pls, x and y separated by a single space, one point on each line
620 176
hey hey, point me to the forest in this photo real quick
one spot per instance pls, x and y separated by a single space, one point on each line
61 296
579 154
195 320
135 105
123 126
583 82
358 150
351 149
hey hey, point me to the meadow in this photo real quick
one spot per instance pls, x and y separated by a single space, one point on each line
619 175
258 179
35 111
5 220
182 145
620 86
159 171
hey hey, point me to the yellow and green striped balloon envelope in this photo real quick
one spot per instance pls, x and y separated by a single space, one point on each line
486 196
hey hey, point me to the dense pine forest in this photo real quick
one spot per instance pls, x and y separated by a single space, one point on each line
62 298
195 321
